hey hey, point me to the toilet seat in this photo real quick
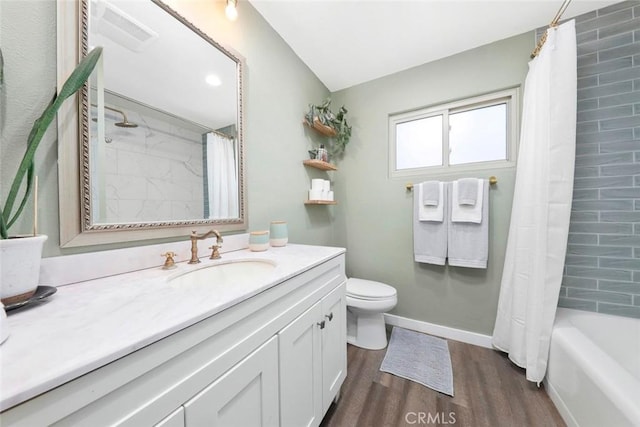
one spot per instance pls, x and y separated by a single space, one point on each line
369 290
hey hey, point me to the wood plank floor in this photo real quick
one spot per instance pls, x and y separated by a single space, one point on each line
489 391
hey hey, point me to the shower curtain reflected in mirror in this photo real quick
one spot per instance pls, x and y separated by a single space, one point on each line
222 177
539 227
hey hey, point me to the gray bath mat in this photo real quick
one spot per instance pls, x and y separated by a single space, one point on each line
420 358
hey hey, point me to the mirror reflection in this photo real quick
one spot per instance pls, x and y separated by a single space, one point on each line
164 136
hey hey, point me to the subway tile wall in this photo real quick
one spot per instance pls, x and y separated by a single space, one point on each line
602 267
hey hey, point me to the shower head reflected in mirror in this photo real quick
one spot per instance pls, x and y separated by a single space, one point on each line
124 123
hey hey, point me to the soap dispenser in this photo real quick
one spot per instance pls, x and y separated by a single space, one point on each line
323 154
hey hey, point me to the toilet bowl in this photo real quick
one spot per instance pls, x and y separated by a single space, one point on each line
367 301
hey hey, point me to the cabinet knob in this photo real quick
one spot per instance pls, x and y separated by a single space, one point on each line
329 316
321 324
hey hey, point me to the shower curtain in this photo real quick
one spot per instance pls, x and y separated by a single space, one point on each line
539 227
222 176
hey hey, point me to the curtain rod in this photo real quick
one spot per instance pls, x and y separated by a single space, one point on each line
222 134
553 24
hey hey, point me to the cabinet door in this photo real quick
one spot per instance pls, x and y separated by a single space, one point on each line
334 344
245 396
300 370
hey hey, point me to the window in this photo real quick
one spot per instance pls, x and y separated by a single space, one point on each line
474 133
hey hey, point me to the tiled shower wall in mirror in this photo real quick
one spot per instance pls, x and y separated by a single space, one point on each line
152 172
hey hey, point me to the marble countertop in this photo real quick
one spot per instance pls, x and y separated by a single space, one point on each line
86 325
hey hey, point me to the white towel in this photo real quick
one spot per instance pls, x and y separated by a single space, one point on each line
430 237
468 191
431 193
467 213
468 243
430 212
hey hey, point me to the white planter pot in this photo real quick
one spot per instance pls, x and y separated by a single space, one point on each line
20 267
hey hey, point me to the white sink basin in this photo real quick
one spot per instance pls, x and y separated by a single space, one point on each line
236 273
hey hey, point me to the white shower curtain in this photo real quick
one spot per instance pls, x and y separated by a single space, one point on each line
222 177
541 208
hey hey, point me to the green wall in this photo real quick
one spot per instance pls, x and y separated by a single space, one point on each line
278 88
28 42
374 217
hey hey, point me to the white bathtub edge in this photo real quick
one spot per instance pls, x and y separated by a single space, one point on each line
562 408
609 377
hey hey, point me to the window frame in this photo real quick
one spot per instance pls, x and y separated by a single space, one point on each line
510 96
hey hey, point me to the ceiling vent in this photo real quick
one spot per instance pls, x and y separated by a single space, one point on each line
117 25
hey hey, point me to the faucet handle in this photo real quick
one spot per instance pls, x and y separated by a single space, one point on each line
215 254
169 263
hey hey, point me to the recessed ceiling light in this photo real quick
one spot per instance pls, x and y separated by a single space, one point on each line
213 80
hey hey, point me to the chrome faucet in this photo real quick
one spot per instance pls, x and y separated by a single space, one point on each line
215 254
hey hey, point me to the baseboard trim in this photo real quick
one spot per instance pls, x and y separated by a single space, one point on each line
439 330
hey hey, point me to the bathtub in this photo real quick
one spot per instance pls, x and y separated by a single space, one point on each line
593 375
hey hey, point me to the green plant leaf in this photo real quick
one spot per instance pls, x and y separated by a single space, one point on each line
73 83
30 175
4 232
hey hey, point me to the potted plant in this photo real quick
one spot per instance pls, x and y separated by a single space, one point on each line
321 118
20 255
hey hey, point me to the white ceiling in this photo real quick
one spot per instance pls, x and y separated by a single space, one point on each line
347 42
167 72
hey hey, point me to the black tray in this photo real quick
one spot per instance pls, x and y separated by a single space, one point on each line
42 292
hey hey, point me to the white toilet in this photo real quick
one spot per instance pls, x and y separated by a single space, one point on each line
367 301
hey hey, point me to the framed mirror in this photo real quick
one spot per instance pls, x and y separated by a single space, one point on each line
154 147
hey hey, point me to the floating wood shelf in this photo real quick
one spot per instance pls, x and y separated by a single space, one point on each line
319 164
320 128
320 202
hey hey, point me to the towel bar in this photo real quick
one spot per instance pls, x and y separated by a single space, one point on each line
492 181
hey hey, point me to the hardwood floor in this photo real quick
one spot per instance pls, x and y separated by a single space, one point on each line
489 391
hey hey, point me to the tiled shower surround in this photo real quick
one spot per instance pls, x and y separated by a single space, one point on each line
602 269
151 173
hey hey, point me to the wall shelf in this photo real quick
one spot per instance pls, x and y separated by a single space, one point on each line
320 202
319 164
320 128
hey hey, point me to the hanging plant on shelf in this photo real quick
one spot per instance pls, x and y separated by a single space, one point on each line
321 118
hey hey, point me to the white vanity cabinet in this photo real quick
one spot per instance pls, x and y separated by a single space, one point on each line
312 361
247 395
244 366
